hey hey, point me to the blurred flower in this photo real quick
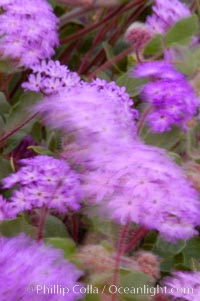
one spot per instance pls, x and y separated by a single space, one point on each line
183 285
50 77
90 114
128 181
28 269
28 31
138 35
157 70
171 98
148 263
43 181
96 259
142 185
165 14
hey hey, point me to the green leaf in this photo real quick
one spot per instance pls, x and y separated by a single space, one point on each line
108 50
67 245
167 264
154 46
135 282
37 132
132 85
4 105
5 168
179 261
168 140
185 60
170 248
2 125
20 112
110 54
54 227
54 142
149 240
41 150
175 157
16 226
191 251
104 75
195 265
182 31
168 253
13 141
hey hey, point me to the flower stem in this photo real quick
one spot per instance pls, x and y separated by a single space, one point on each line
43 214
137 236
88 29
119 10
120 249
74 228
160 298
143 119
111 62
6 136
99 58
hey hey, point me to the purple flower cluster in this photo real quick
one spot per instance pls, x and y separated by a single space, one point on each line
42 181
50 77
28 31
183 285
140 184
90 114
128 181
171 99
29 269
165 14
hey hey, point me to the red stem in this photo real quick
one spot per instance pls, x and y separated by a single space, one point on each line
43 214
83 31
137 236
101 54
120 249
121 9
160 298
74 228
143 118
98 38
110 62
18 128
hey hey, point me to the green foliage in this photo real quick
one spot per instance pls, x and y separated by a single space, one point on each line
135 283
191 252
132 85
4 105
155 45
170 140
110 54
54 227
21 111
16 226
5 167
67 245
40 150
13 141
164 247
182 31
